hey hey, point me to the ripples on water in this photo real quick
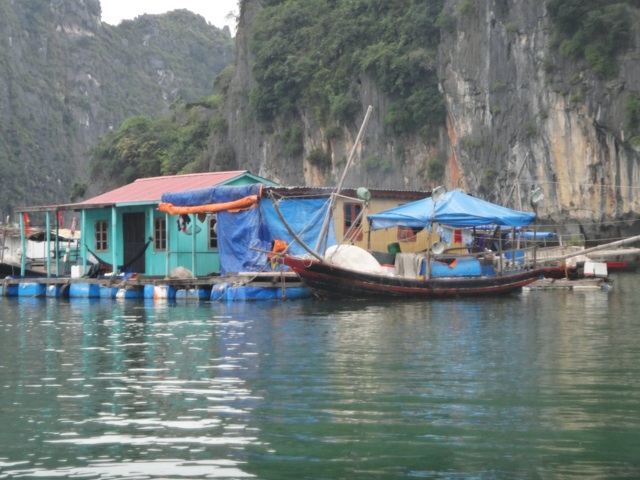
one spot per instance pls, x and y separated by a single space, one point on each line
536 385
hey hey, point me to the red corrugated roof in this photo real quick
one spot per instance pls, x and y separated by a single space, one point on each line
151 189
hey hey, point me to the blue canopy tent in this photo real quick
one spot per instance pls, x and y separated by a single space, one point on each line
456 209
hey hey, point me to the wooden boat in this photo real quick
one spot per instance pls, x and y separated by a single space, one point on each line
346 271
327 280
614 255
13 270
618 259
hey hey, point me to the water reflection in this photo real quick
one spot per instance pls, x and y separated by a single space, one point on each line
113 384
535 385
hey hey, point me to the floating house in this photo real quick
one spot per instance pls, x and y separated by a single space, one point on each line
123 227
61 243
204 236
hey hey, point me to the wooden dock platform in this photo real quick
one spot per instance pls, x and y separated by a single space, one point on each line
567 284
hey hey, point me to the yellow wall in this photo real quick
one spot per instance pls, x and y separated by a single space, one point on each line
380 239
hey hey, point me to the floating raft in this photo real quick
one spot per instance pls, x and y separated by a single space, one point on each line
241 287
567 284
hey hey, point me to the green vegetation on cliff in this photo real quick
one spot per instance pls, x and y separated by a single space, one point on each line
308 54
593 30
312 54
146 148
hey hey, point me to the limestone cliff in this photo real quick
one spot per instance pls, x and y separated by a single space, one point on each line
519 115
259 146
67 78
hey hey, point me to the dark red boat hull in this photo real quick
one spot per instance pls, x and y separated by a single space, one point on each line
330 281
622 266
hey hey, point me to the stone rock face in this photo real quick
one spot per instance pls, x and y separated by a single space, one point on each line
519 116
257 147
514 126
66 78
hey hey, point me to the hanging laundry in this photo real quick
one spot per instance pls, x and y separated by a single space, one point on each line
183 222
467 237
444 234
27 227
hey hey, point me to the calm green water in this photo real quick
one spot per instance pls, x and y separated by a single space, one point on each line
543 384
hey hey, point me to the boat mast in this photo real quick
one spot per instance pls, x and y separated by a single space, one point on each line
325 226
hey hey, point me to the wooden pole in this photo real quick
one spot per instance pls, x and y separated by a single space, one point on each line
23 245
510 194
599 247
325 226
4 242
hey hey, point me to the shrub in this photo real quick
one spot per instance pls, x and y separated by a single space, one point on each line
632 110
467 8
333 132
498 87
595 31
292 145
446 22
344 108
490 174
319 158
377 164
435 169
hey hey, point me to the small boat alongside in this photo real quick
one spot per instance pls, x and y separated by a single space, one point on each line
568 257
608 257
14 269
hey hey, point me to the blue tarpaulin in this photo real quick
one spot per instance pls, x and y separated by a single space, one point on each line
534 235
245 236
456 209
209 195
304 216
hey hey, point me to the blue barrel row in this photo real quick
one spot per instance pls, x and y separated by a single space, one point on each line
223 292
